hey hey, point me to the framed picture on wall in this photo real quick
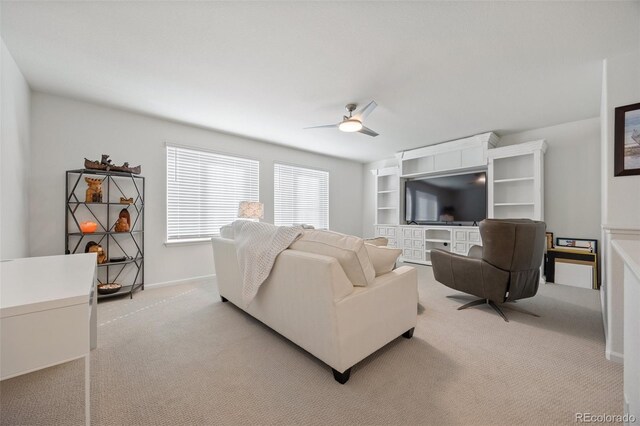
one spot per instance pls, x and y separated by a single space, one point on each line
627 140
578 243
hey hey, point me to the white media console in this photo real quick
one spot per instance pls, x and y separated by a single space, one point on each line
417 241
515 190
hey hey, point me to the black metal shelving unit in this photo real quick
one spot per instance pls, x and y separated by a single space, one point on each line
105 215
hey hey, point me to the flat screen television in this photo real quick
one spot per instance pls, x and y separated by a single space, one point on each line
457 199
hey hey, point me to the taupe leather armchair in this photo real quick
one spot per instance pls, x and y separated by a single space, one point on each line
504 269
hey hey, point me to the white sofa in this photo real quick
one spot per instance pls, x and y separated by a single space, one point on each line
309 300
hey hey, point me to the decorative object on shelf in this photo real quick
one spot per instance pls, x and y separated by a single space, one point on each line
123 224
578 243
105 164
251 210
109 288
119 259
93 247
126 200
94 190
549 236
88 227
627 140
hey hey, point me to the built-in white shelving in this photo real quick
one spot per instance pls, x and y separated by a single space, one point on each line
387 195
515 181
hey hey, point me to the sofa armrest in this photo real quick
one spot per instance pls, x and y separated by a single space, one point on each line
470 275
372 316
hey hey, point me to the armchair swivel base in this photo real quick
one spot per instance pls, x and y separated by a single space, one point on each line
495 306
482 302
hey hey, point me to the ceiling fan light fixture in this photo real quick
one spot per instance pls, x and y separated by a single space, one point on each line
351 125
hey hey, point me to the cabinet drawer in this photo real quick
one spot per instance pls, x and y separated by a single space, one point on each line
474 236
381 232
460 248
391 232
408 253
407 243
406 232
417 254
460 235
417 233
392 243
418 243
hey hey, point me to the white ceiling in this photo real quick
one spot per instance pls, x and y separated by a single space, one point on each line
438 70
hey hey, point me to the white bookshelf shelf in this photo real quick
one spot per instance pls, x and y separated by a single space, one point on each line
522 179
513 204
437 240
387 208
389 191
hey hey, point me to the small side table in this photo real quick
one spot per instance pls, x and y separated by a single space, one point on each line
572 256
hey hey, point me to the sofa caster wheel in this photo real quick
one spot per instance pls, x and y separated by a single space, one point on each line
341 378
408 334
224 299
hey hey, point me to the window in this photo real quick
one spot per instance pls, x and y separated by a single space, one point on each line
204 190
301 196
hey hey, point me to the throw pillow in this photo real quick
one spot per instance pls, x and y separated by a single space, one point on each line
383 258
378 241
348 250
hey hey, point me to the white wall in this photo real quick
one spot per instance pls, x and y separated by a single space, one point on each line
15 98
571 176
65 130
620 195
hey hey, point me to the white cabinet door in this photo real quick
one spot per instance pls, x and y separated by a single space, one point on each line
460 247
460 235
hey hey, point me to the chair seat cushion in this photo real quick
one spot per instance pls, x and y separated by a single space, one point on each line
348 250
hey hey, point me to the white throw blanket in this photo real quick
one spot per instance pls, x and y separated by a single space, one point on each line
257 245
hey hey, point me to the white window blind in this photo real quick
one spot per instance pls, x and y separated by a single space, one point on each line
301 196
204 190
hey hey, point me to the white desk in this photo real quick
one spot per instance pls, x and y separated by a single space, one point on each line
629 251
47 314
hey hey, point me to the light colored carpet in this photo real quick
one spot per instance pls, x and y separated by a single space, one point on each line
177 355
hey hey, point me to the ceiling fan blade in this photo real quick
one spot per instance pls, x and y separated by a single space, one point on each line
364 112
326 126
368 131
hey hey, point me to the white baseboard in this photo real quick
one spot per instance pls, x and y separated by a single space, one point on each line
192 280
614 356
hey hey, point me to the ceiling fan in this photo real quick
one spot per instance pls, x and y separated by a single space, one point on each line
353 123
